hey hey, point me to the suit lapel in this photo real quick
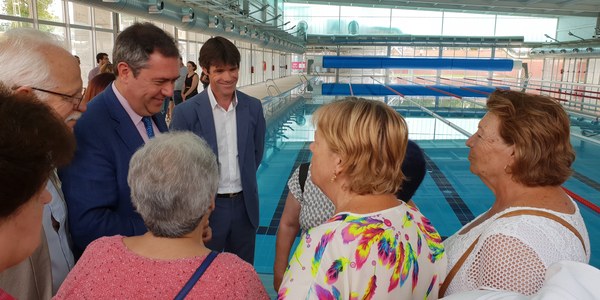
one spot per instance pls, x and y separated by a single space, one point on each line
207 121
242 113
161 124
123 124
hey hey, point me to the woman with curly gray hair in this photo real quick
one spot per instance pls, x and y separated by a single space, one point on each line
173 181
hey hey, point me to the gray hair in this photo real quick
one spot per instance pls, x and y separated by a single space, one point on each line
137 42
23 61
173 180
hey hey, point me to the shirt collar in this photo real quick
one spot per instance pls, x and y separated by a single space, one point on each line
213 100
135 118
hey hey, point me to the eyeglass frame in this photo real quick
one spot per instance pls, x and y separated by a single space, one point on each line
77 99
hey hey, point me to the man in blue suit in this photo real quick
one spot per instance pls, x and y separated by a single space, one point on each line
118 121
233 124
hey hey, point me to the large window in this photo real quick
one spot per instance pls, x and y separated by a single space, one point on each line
343 20
417 22
17 8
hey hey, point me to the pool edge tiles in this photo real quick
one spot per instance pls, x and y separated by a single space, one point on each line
458 206
271 229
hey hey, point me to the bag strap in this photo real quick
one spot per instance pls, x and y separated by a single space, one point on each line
303 174
513 213
196 276
455 269
548 215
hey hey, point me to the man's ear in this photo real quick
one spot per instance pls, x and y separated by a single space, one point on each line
204 70
24 90
124 70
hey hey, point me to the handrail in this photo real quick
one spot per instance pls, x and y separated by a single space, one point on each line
303 76
274 84
269 90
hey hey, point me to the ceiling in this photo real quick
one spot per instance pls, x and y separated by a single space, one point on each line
582 8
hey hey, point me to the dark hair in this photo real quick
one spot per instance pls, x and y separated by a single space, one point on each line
137 42
193 65
538 127
100 56
219 51
33 141
97 85
414 170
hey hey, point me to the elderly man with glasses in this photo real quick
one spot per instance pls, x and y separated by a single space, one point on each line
36 63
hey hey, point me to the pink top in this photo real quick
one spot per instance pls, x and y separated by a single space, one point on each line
5 296
109 270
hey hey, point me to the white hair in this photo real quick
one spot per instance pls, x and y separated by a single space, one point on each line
173 181
23 60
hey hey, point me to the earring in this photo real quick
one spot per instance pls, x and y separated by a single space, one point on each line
333 178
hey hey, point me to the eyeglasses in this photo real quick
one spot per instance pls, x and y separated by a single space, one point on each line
73 99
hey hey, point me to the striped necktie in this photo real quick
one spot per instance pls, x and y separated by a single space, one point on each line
148 124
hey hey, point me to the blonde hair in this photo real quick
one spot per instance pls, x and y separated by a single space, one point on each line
538 127
370 137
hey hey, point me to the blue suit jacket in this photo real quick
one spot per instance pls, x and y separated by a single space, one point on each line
196 115
95 183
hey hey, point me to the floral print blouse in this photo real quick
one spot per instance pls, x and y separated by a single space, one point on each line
391 254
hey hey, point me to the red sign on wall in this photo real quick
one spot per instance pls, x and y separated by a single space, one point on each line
298 65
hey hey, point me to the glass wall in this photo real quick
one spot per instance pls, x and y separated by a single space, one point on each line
343 20
87 31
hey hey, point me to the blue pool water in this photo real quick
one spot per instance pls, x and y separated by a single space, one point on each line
450 194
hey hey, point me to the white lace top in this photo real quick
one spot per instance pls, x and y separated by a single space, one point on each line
513 253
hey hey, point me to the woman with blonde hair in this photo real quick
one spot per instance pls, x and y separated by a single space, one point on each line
374 245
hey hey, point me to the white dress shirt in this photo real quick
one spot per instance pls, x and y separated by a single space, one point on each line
230 180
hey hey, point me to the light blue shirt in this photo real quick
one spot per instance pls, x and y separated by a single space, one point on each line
59 242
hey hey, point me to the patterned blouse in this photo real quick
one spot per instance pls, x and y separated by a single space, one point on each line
391 254
315 207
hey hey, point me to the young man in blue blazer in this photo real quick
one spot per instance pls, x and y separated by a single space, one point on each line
233 124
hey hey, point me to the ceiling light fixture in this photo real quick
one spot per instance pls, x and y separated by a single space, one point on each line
155 6
230 27
213 22
187 15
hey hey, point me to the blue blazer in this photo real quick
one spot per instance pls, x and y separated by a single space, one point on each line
95 183
195 115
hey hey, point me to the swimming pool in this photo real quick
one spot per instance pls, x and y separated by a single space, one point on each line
449 196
